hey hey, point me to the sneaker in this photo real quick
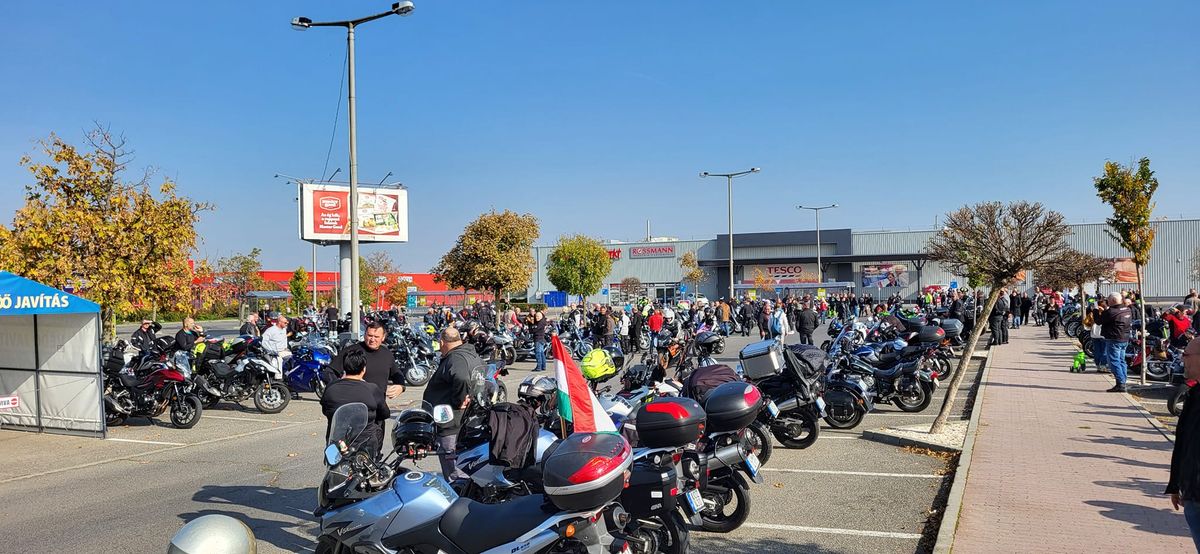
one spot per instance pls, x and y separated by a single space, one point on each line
536 369
1117 388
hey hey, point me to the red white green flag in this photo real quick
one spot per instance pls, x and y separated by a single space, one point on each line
576 401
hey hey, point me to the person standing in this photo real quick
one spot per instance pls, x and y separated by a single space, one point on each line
1026 307
331 318
779 323
764 321
636 322
250 327
1014 309
351 388
655 322
457 377
1183 486
143 337
806 323
1052 317
997 320
382 368
623 330
185 338
1116 323
1192 300
538 331
724 316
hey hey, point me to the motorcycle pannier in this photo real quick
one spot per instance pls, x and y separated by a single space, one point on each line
115 361
930 333
586 471
732 406
762 359
668 422
650 488
952 327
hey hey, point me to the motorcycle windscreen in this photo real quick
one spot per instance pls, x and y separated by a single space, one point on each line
348 424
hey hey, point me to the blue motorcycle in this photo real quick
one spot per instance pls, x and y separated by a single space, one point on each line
308 369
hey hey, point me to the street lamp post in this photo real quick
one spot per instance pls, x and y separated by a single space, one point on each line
817 211
402 8
729 181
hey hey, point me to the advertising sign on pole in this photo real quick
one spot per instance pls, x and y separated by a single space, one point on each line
885 275
325 213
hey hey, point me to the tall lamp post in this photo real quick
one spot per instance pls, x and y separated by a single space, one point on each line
817 211
350 259
729 177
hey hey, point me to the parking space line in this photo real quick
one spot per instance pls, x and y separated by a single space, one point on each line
206 416
146 442
838 437
1163 402
832 531
858 473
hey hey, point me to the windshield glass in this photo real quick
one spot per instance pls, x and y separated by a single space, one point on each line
348 423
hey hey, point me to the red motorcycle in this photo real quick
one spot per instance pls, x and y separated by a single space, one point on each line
162 385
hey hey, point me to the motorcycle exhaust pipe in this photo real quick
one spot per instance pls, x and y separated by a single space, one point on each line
112 403
730 455
788 405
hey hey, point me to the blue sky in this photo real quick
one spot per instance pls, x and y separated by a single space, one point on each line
598 115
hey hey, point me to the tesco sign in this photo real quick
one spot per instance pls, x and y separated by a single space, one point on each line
652 251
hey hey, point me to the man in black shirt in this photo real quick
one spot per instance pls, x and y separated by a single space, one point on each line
250 327
143 337
352 388
538 332
186 337
1116 325
455 380
331 317
382 369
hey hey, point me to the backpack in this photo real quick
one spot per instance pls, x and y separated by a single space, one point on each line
704 379
776 323
514 431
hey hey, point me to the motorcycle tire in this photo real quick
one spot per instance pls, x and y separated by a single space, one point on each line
114 420
667 535
318 387
798 435
1073 328
720 346
730 490
945 367
848 423
330 545
271 400
922 395
1177 400
759 439
418 375
186 412
510 356
1158 370
501 393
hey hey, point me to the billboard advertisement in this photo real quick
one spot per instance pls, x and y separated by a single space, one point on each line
780 274
885 275
1123 271
325 213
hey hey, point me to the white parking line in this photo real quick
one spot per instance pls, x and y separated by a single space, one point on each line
1163 402
146 442
859 473
206 416
838 437
832 531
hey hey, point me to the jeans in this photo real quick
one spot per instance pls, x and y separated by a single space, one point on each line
725 328
447 457
1191 512
1115 352
1016 322
1100 353
539 353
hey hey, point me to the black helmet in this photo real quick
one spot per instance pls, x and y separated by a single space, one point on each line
414 429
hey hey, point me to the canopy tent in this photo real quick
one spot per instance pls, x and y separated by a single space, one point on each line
50 376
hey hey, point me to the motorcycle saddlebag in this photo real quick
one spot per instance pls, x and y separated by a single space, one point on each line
649 488
220 368
732 406
669 422
930 333
115 361
952 327
761 359
586 471
839 403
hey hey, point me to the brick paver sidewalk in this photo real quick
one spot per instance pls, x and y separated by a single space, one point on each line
1061 466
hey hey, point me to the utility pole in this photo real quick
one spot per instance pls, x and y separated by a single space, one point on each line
729 181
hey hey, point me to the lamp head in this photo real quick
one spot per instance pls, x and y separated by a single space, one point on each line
755 169
301 23
402 8
704 174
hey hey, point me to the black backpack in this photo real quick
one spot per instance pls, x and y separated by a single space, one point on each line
704 379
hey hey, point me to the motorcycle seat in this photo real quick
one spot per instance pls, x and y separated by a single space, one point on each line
886 359
476 527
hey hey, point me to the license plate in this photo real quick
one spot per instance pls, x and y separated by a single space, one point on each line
772 408
752 464
695 501
820 404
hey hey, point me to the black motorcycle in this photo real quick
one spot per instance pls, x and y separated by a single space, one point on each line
239 369
791 378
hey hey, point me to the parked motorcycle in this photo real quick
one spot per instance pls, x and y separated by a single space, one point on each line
241 368
791 377
308 369
162 385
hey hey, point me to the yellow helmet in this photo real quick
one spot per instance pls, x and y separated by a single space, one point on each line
598 365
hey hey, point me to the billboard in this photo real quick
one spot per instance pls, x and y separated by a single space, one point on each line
664 251
780 274
885 275
1123 271
325 213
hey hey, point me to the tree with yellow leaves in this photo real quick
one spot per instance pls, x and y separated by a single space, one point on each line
494 253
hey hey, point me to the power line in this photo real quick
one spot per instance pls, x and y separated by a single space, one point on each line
337 113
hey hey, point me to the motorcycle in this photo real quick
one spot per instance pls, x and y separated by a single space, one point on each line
162 385
242 368
308 368
791 378
847 396
414 353
379 504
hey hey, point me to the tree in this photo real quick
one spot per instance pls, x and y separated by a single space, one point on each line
692 274
1129 191
995 242
367 287
632 287
116 242
397 294
239 273
298 286
495 252
762 282
1072 268
578 265
1196 265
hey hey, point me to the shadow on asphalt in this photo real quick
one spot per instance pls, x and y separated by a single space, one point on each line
1156 445
1139 515
1148 487
290 504
1116 459
716 544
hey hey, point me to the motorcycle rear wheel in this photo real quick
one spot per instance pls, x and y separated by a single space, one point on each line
114 419
718 518
670 536
186 412
914 401
271 400
760 441
846 423
808 431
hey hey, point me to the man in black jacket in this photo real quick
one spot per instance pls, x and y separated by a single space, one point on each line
1184 484
998 321
458 376
353 388
382 369
143 337
250 327
1116 326
806 323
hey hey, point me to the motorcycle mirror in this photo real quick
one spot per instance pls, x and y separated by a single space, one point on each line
443 413
332 455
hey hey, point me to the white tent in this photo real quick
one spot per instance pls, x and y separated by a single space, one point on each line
50 377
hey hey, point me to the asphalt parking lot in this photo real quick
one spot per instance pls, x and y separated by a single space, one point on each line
130 493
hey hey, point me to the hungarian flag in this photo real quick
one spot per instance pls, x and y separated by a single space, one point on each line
576 402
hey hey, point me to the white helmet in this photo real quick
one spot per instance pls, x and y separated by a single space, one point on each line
215 534
668 314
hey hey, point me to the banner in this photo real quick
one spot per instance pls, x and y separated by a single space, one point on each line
325 213
780 274
1123 270
885 275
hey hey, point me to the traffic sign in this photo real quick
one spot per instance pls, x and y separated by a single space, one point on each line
682 288
604 292
953 285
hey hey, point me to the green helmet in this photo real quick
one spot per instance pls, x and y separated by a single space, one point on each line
598 365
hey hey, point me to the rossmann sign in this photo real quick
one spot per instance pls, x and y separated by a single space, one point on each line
652 251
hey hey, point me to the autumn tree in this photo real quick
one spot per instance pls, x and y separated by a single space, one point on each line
1072 268
494 253
994 242
578 265
632 287
368 288
1196 265
85 226
239 273
762 282
397 294
692 274
298 286
1128 191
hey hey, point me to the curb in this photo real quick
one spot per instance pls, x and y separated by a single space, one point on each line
1149 417
885 438
945 536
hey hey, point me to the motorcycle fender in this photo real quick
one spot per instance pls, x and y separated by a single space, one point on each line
269 369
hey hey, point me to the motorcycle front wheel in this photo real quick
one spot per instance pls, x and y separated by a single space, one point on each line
760 441
318 387
271 398
114 419
418 375
718 516
801 432
186 411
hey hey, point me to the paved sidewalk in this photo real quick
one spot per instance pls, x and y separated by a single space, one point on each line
1061 466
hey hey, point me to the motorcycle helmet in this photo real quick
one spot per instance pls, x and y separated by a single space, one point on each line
668 315
414 430
618 357
706 342
541 393
216 534
598 365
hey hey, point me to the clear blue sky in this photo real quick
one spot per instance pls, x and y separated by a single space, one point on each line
597 115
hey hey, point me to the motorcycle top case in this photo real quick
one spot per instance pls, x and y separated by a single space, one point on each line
669 422
586 471
732 406
762 359
952 327
930 333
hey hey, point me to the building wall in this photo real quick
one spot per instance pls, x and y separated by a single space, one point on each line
663 270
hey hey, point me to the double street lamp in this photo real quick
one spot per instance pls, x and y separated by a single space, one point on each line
817 211
729 177
350 259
